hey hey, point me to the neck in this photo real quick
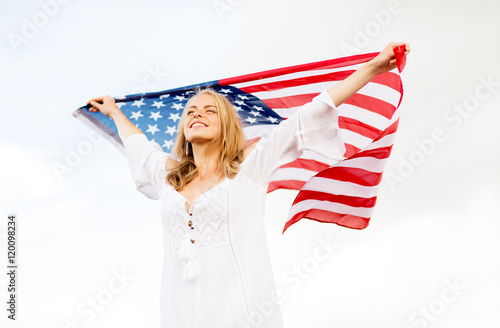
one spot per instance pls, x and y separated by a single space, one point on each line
206 160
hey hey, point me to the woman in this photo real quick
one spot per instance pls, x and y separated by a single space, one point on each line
217 269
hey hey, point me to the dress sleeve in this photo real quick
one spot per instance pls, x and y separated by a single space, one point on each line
146 160
313 127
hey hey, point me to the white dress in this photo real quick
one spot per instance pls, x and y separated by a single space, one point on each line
216 266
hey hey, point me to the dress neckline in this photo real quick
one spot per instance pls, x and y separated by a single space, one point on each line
214 188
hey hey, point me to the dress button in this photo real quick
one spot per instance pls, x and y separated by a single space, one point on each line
192 241
190 223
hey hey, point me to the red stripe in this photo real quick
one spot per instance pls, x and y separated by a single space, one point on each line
342 199
350 150
372 104
308 164
285 184
392 80
379 153
290 101
351 174
306 80
344 220
391 129
359 127
325 64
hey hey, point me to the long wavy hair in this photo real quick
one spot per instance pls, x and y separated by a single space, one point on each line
229 142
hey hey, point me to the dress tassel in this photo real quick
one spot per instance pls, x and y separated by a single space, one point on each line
192 269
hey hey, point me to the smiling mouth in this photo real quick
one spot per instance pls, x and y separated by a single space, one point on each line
198 124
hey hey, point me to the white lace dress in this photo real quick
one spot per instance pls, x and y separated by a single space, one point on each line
216 266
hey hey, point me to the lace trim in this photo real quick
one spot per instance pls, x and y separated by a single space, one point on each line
208 219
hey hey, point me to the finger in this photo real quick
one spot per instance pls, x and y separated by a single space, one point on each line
96 99
95 105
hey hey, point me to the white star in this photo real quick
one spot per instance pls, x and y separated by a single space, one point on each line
258 108
272 119
152 129
180 98
139 103
225 90
171 130
164 96
238 108
174 117
157 104
155 116
243 97
168 143
255 113
119 105
177 106
136 115
239 102
251 120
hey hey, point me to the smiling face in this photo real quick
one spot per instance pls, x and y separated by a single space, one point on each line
201 123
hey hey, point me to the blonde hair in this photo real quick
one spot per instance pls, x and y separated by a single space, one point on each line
230 142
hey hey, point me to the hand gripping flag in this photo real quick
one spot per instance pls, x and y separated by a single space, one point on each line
344 193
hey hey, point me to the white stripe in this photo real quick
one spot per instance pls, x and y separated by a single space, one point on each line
259 130
366 163
374 90
295 75
290 173
376 120
355 139
293 91
316 157
347 188
286 112
386 141
381 92
364 212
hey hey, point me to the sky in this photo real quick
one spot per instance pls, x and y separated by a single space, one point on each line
89 245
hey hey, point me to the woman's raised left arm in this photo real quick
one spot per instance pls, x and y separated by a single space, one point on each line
384 62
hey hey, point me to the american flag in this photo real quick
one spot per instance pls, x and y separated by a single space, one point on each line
343 193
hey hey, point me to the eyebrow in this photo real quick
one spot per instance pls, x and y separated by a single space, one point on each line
203 106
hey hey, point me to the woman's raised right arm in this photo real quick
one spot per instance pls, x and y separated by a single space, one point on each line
107 106
147 161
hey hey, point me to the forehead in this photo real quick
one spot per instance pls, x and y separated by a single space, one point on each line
201 101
